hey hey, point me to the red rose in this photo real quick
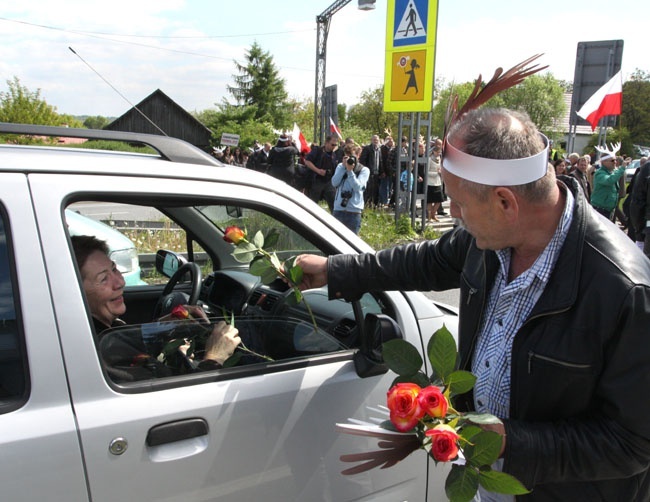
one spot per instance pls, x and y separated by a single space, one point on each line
234 235
433 402
444 442
180 312
402 401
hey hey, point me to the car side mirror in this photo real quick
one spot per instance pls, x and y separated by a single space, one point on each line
377 329
168 262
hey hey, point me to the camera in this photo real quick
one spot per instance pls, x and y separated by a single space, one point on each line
345 197
352 160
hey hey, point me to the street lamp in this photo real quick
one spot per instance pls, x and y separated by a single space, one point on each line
322 31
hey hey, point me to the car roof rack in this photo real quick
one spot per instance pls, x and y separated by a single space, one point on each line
171 149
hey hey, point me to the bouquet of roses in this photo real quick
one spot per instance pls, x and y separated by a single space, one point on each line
422 417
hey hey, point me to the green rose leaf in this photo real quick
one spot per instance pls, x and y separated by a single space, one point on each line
462 483
172 346
271 238
263 268
442 353
244 252
297 294
259 266
402 357
461 381
484 450
482 418
258 240
295 274
232 360
275 262
469 431
501 482
419 378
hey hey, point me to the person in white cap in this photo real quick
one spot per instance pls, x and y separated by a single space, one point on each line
554 312
604 195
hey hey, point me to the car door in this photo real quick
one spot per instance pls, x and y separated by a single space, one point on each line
39 442
253 435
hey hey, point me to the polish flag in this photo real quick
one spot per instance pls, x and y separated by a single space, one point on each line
607 100
335 129
300 140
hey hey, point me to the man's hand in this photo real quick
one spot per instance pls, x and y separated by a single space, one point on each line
314 271
221 343
500 429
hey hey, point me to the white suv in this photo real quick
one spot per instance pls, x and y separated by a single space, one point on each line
260 430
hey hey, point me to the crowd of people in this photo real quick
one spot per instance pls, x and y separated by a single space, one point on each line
603 183
374 169
373 166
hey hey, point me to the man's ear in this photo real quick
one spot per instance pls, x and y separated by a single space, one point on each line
507 202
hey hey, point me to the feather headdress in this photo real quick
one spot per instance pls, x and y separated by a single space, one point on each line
482 93
609 153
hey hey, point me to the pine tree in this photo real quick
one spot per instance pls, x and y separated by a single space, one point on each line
259 85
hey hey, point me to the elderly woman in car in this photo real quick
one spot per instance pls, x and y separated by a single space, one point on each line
128 357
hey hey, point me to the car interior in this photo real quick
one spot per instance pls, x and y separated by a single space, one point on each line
185 260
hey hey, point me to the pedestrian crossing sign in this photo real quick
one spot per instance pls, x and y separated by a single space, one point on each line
410 55
410 22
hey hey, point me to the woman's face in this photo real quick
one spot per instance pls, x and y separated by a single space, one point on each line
103 284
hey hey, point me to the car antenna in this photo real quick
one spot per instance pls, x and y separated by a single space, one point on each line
122 95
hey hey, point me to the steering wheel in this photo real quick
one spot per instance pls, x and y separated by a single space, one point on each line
168 299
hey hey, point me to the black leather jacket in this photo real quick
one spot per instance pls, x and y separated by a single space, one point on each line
579 425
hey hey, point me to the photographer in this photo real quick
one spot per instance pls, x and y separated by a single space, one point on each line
350 179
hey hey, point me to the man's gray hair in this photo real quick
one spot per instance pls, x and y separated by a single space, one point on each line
499 133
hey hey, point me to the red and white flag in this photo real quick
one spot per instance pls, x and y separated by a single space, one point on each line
334 128
607 100
299 139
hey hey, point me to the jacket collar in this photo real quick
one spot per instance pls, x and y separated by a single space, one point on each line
562 289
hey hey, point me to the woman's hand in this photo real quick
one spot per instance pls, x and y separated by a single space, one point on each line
221 343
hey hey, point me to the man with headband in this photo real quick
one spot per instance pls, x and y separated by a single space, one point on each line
554 312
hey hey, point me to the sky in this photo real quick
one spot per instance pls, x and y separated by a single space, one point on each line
125 50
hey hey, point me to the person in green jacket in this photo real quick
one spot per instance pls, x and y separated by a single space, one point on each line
604 195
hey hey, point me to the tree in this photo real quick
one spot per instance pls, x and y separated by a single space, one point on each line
635 115
259 86
96 122
369 114
19 105
540 96
620 134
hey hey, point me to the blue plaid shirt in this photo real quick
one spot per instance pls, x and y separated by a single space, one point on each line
508 306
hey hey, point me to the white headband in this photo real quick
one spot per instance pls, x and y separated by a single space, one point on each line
496 172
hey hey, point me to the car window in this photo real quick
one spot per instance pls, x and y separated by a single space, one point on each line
274 328
13 367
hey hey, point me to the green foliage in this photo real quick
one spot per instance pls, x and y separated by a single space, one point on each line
540 96
613 136
480 448
369 115
19 105
96 122
635 115
379 230
259 85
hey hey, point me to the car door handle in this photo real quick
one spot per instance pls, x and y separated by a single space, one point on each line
177 431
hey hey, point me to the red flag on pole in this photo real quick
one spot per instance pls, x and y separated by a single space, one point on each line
607 100
300 140
335 129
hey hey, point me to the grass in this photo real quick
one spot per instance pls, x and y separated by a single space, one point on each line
378 229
